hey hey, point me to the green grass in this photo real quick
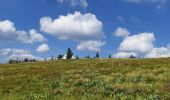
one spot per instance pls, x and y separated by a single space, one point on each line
90 79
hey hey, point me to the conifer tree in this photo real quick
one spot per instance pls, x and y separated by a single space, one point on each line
69 53
110 56
97 55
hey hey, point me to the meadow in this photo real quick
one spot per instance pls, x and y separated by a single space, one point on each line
87 79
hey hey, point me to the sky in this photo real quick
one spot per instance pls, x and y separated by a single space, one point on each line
38 29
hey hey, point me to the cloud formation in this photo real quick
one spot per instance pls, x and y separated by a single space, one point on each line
158 53
75 26
121 32
84 28
141 44
8 32
20 54
90 45
43 48
158 3
81 3
124 54
147 1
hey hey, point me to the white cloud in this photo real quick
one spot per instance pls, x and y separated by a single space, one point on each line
8 32
135 19
147 1
90 45
30 37
122 32
158 53
43 48
142 43
75 26
124 54
81 3
21 54
158 3
7 29
120 18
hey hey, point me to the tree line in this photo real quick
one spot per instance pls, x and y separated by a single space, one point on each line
69 55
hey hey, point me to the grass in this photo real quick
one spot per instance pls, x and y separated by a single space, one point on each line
88 79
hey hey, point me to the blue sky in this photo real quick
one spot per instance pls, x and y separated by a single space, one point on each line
117 27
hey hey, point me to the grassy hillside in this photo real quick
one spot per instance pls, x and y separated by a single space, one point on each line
92 79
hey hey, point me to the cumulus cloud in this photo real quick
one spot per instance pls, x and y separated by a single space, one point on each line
84 28
90 45
147 1
43 48
121 32
120 18
142 43
158 3
158 53
124 54
20 54
81 3
8 32
75 26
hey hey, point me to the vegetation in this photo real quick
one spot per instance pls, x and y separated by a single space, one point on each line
13 61
110 56
69 53
97 55
60 57
88 79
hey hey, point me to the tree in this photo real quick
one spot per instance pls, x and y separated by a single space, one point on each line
77 57
69 53
60 57
11 61
17 60
97 55
87 56
132 56
52 58
26 60
110 56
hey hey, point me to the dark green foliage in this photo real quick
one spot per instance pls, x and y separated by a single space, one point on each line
11 61
60 57
87 56
77 57
26 60
69 53
132 56
110 56
97 55
52 58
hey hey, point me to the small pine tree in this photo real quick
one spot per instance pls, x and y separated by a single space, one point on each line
60 57
17 60
77 57
97 55
132 56
52 58
26 60
87 56
69 53
110 56
45 59
10 61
